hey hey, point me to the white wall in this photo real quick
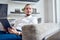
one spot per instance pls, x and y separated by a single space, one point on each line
12 6
44 7
48 11
3 1
58 10
40 7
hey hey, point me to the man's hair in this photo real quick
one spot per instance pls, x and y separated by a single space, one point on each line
25 6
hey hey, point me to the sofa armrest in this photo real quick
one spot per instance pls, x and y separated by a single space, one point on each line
53 36
39 31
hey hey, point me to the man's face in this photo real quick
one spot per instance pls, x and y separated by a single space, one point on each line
28 10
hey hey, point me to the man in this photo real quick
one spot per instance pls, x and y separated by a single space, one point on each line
28 19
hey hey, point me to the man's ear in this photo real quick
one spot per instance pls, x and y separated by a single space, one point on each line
23 9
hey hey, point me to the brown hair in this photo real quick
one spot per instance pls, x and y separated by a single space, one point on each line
25 6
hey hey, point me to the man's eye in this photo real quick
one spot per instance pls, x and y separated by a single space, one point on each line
28 8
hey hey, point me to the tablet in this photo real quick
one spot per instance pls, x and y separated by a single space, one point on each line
5 23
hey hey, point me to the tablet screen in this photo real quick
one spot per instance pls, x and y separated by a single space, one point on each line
5 23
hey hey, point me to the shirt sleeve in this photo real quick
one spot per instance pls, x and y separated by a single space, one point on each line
35 21
18 24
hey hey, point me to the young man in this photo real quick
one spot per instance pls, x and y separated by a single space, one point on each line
28 19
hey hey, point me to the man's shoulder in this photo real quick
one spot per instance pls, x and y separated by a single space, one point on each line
34 17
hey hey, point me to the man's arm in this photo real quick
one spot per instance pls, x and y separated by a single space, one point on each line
14 31
35 21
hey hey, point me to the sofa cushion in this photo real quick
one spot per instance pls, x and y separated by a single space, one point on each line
55 36
29 32
1 27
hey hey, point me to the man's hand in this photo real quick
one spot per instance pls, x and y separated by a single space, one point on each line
14 31
20 33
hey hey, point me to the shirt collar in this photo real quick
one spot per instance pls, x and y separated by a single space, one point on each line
29 16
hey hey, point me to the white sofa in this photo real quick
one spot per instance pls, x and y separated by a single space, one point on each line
43 30
39 31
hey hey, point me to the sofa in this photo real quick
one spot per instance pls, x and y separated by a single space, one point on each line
42 31
39 31
6 36
56 36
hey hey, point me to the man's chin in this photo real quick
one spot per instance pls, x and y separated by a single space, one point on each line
27 14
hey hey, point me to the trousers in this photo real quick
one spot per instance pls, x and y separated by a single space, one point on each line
8 36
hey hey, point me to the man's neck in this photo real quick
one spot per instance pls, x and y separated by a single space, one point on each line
27 15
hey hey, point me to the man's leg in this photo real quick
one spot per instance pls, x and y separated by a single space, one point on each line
8 36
